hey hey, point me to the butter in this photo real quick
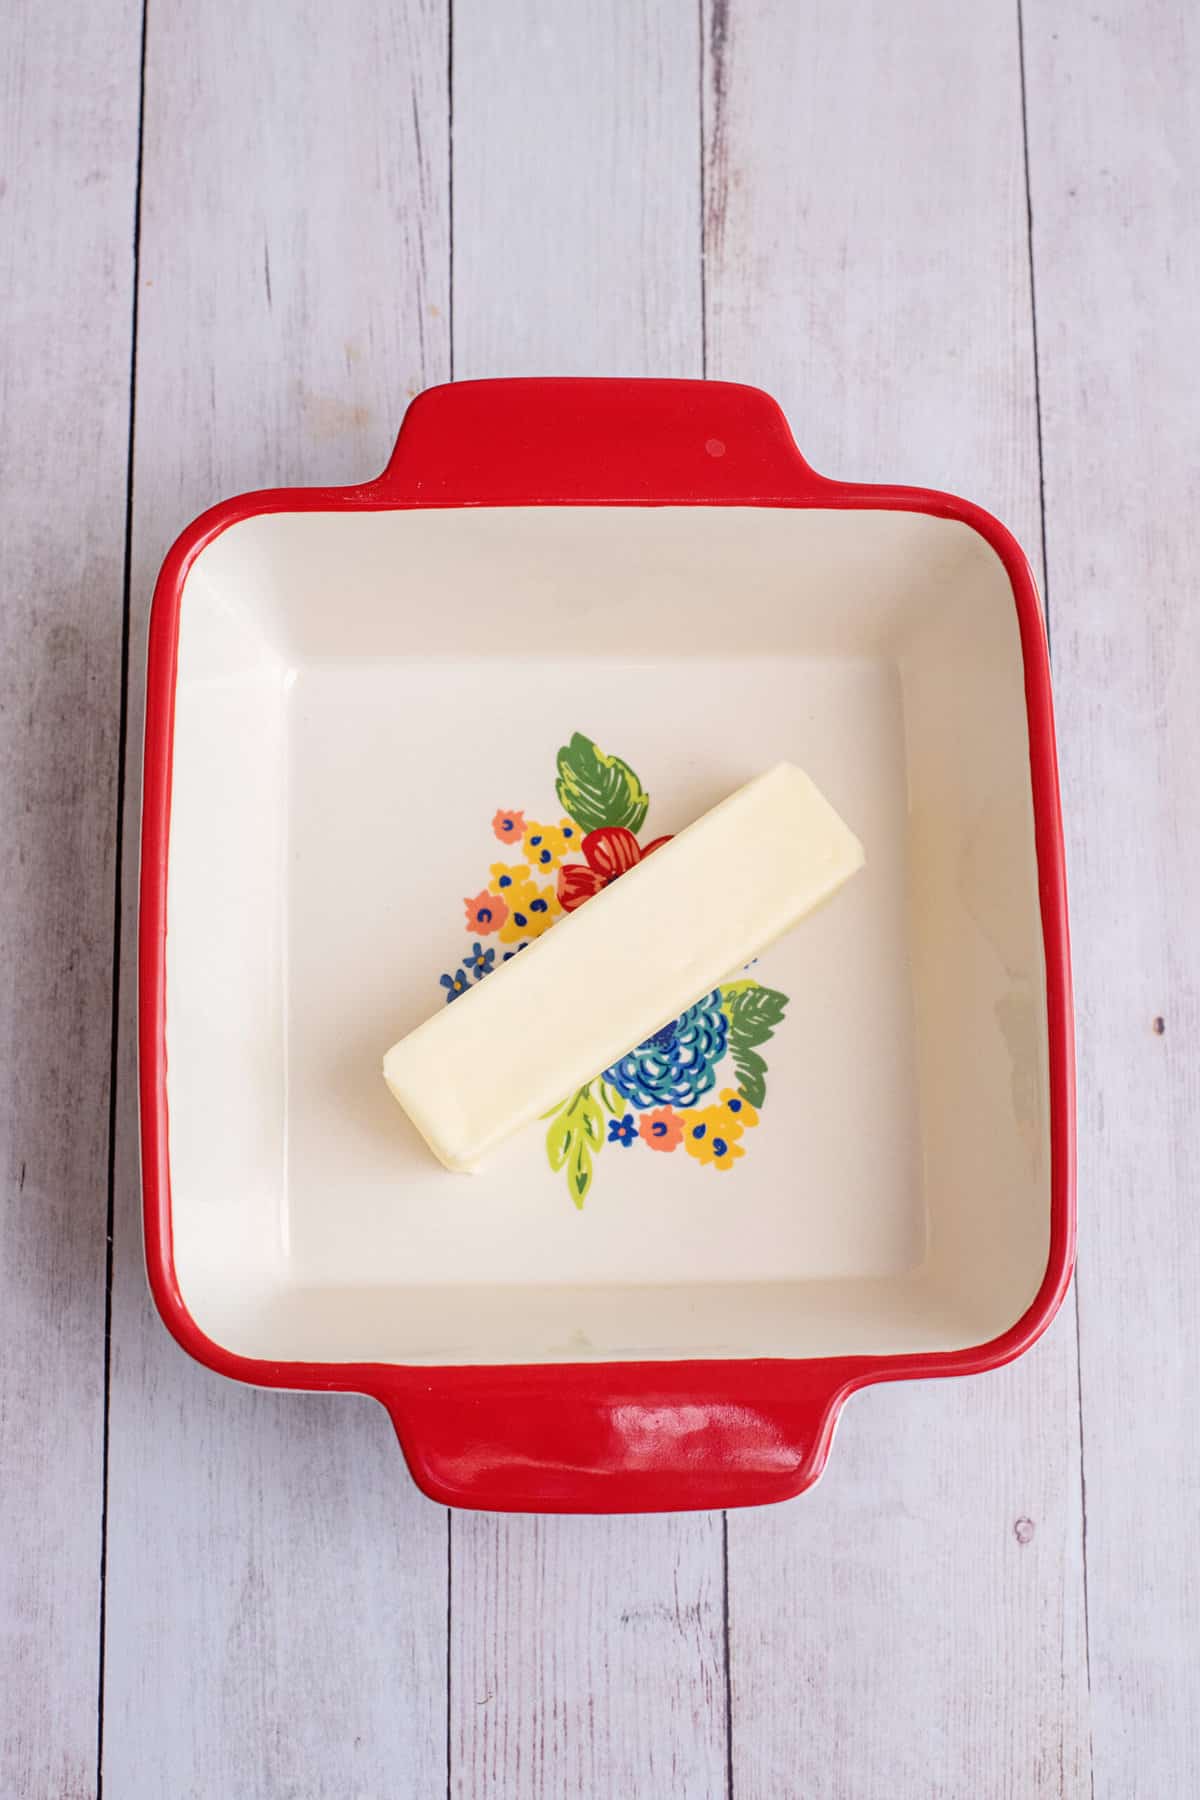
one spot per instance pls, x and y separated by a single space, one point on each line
622 966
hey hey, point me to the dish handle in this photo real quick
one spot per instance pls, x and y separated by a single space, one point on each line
617 1437
557 440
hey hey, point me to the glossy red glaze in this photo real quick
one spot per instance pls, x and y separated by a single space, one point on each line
606 1437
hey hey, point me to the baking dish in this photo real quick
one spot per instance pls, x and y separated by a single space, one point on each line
364 702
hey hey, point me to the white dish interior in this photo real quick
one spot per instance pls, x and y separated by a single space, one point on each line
359 692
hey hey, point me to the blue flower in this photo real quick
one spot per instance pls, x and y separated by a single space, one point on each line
679 1063
622 1131
455 984
480 961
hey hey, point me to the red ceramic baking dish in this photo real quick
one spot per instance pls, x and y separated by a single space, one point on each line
381 723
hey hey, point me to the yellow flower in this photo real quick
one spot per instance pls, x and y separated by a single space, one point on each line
532 911
740 1115
512 881
711 1134
546 845
516 887
544 909
511 932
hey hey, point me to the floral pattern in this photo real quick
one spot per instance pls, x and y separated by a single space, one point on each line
532 910
711 1135
607 853
661 1129
739 1114
481 961
679 1063
508 880
454 985
622 1131
659 1096
485 913
546 845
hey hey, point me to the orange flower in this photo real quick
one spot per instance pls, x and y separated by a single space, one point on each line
509 827
661 1129
485 913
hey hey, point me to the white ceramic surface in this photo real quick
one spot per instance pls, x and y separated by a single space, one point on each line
357 695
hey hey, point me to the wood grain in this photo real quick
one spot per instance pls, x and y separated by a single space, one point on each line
587 1655
277 1594
68 153
276 1588
576 188
1115 149
914 1627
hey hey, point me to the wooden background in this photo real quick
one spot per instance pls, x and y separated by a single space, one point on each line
961 244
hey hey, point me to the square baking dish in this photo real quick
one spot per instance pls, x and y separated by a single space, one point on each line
360 704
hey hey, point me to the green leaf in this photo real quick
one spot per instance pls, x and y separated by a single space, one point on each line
579 1175
752 1073
729 992
559 1139
754 1013
612 1100
596 789
576 1130
592 1120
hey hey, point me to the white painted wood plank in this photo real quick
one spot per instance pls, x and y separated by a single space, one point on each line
68 153
586 1654
1115 150
914 1626
276 1587
912 1629
865 235
576 188
587 1657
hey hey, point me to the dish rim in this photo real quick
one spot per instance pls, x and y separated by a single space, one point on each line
601 1436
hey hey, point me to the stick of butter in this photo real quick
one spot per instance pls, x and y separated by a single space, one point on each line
622 966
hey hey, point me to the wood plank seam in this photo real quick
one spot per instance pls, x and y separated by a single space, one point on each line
450 192
118 903
1041 467
1037 376
715 53
450 368
449 1649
